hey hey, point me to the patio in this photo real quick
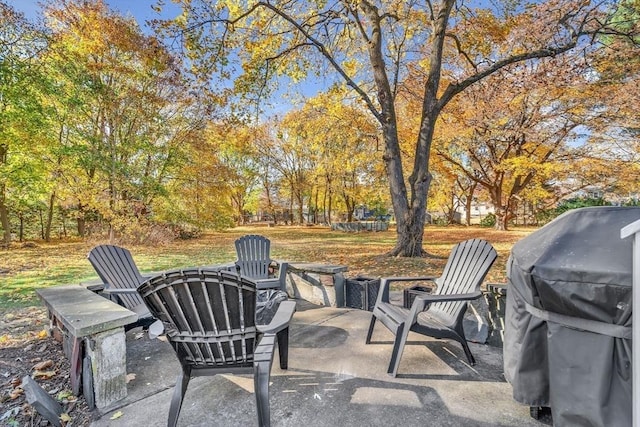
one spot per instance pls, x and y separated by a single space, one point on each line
333 379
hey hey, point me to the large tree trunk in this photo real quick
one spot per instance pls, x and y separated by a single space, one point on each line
410 214
501 218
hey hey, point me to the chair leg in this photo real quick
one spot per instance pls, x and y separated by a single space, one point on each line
460 337
371 326
467 351
178 395
261 385
283 348
398 347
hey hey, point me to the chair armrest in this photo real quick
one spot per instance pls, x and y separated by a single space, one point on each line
282 275
429 298
421 302
383 293
280 320
119 291
409 279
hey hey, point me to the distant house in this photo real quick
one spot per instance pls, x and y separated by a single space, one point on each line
599 192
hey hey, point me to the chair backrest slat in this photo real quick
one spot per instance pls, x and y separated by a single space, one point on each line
464 272
208 315
116 269
253 252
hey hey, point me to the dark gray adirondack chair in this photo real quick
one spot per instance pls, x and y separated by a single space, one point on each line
254 261
121 277
439 314
209 318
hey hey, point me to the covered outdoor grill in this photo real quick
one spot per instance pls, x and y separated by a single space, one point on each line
568 318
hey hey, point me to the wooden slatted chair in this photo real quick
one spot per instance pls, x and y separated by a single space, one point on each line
118 271
439 314
254 261
209 318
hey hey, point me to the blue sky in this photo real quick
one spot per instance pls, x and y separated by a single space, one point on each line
140 9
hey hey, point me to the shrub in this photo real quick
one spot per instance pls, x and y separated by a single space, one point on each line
570 204
185 231
488 221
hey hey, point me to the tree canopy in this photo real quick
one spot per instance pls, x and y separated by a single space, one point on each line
116 130
376 47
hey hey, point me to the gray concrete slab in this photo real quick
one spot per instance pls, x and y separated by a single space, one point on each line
333 379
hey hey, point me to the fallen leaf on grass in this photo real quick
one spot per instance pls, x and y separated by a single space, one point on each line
43 365
116 415
130 377
43 374
43 334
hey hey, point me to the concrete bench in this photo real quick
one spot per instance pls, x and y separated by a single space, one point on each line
93 339
321 284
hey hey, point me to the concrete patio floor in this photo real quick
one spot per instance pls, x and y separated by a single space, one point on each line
333 379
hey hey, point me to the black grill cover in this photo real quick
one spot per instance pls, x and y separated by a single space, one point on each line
568 318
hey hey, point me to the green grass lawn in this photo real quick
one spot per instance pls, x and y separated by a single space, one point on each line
24 268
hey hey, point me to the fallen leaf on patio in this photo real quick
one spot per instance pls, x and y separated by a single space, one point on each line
64 417
139 335
116 415
43 334
43 365
130 377
43 374
162 338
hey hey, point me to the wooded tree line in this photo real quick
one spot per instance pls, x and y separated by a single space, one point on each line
108 129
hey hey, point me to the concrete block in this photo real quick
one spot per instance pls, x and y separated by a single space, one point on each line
107 353
475 324
311 287
41 401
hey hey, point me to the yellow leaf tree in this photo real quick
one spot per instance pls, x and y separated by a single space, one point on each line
124 107
371 46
